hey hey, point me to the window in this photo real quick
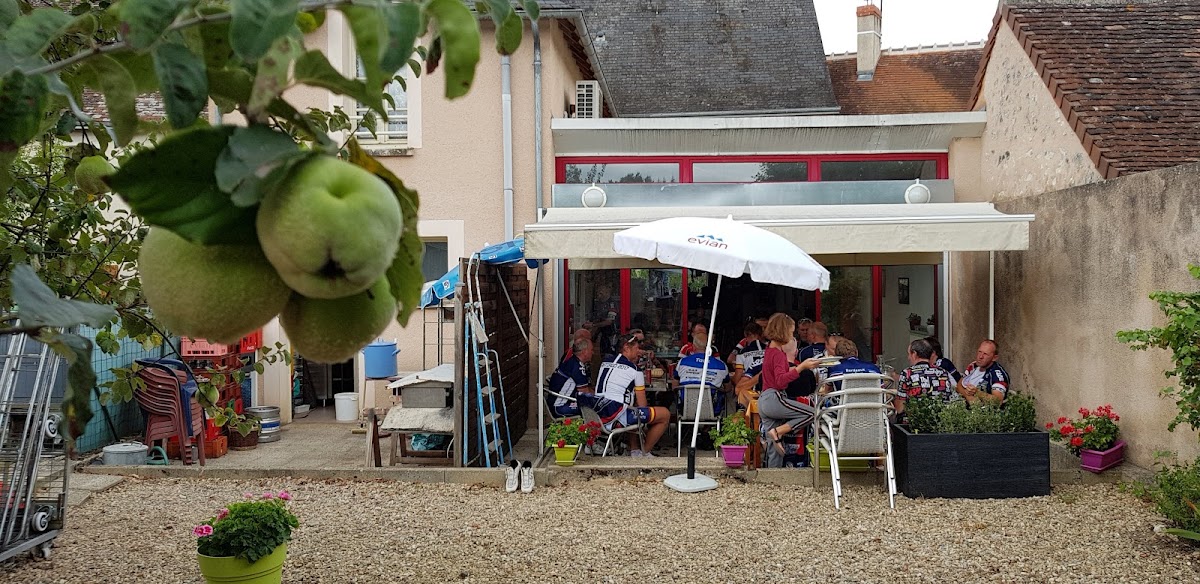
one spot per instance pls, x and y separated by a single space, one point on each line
623 173
749 172
878 170
395 130
434 259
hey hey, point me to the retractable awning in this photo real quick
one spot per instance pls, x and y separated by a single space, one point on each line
851 231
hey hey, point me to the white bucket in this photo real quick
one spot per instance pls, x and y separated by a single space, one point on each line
346 406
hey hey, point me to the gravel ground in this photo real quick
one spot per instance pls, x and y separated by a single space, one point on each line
609 531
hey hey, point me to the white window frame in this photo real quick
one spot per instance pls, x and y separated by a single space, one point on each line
342 53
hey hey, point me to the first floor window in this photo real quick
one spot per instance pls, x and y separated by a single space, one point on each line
434 260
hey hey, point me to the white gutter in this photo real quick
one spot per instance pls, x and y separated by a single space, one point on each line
802 222
506 122
769 122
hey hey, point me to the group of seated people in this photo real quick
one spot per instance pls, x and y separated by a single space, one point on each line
779 362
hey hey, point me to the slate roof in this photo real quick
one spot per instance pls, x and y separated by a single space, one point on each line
663 57
908 81
1126 75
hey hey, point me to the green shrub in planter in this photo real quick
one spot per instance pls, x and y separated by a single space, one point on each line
930 415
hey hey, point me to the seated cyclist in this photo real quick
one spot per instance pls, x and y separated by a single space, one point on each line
621 397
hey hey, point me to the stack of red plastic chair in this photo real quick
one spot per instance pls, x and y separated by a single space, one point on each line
163 409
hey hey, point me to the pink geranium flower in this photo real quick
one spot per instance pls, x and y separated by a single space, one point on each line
202 531
286 496
223 513
268 495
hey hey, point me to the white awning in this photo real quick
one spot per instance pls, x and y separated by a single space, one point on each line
861 231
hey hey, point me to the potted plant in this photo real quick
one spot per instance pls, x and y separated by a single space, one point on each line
914 321
733 437
1094 438
569 437
246 541
980 452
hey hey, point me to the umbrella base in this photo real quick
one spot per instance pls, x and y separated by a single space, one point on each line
683 484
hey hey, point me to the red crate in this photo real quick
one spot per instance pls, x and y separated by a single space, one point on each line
251 342
203 348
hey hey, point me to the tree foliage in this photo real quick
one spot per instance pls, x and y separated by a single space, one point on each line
202 182
1180 335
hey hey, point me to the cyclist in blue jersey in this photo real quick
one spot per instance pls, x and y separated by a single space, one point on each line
621 397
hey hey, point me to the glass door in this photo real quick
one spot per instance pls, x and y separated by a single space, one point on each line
846 308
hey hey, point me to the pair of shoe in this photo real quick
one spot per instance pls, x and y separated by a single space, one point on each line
518 475
640 454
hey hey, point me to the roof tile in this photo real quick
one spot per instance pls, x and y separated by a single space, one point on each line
925 81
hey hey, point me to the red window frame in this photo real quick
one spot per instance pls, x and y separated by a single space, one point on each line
814 161
941 159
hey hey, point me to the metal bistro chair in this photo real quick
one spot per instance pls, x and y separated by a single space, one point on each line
687 414
855 428
590 415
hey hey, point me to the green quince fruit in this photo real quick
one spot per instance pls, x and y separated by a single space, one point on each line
214 292
330 229
332 331
89 175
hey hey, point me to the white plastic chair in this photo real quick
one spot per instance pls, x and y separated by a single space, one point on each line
590 415
856 428
687 415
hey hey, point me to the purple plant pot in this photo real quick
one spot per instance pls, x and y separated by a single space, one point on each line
735 456
1101 460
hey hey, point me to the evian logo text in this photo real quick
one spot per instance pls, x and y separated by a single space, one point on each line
709 241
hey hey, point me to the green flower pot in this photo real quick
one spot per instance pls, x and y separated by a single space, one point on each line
566 455
267 570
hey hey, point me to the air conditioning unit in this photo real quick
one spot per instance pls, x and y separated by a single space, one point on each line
588 102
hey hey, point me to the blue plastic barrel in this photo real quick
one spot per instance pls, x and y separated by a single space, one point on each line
379 359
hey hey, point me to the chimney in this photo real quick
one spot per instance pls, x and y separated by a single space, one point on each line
870 37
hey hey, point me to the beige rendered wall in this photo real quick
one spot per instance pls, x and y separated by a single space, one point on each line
1026 149
458 167
1095 253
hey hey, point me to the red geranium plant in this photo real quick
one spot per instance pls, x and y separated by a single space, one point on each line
1093 430
572 432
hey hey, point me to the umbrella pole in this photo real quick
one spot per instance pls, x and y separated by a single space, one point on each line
712 322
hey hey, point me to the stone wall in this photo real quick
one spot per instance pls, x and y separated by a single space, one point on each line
1095 253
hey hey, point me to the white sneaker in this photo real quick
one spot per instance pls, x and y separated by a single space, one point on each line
635 453
648 454
512 476
526 477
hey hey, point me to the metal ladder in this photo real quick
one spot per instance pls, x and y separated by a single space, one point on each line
486 384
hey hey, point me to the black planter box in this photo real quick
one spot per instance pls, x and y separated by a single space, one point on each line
971 466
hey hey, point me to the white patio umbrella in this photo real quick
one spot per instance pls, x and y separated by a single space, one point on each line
727 248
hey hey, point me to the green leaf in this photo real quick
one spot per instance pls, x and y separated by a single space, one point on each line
144 21
257 24
459 34
141 67
1184 533
403 22
185 198
272 75
370 35
532 9
30 35
8 14
248 158
22 101
312 68
404 275
213 40
184 83
38 305
77 350
229 87
508 26
120 94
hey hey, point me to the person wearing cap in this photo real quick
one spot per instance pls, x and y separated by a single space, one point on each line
570 379
621 397
939 359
